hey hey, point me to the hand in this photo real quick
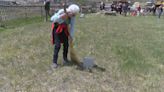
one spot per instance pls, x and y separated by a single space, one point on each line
70 39
71 14
64 16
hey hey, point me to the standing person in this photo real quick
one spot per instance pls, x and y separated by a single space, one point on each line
125 8
102 5
154 9
63 30
138 10
47 8
160 11
120 8
112 7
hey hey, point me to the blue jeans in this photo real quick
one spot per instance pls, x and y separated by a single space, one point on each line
160 13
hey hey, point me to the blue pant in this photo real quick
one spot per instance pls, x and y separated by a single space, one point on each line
160 13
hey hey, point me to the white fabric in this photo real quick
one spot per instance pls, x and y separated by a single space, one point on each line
57 16
73 8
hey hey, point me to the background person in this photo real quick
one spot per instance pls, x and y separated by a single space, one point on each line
47 8
160 11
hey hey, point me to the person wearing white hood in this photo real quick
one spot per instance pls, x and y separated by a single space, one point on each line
63 30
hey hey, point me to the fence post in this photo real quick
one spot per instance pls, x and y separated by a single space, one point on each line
41 7
22 11
2 16
25 11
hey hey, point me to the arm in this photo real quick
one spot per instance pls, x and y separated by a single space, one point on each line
71 29
60 18
54 18
72 25
57 18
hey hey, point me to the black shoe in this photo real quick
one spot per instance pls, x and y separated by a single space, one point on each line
66 61
54 65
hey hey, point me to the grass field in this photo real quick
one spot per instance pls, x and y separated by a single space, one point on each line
18 22
129 48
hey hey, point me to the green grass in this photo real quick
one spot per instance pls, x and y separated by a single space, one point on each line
19 22
129 48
